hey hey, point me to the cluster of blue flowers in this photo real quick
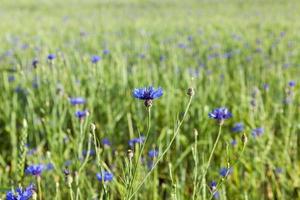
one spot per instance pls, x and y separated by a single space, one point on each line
105 176
20 193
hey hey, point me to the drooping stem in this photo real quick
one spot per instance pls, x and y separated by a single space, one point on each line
165 151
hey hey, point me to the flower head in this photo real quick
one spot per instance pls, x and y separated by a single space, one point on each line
213 187
153 153
81 114
20 194
266 86
105 176
34 63
77 100
51 56
220 114
147 94
233 142
34 170
224 171
105 51
134 141
106 142
238 127
95 59
292 83
257 131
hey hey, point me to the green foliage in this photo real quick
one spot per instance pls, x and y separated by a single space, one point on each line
226 50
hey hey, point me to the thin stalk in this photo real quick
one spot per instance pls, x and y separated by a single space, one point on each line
39 187
140 152
166 150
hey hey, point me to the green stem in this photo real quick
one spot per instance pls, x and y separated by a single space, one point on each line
140 152
39 187
165 151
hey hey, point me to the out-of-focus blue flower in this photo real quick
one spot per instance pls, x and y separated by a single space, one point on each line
233 142
35 170
68 163
149 93
106 142
81 114
292 83
238 127
20 194
224 171
134 141
182 45
49 166
266 86
162 58
213 187
51 56
278 170
35 62
95 59
153 153
220 114
105 176
77 100
257 132
106 51
91 152
11 78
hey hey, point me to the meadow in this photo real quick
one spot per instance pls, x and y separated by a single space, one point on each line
80 119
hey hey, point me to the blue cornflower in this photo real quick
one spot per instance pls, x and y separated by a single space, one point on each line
292 83
153 153
134 141
35 62
213 187
35 170
238 127
68 163
11 78
81 114
92 152
266 86
278 170
147 94
105 176
51 56
77 100
233 142
220 114
257 131
224 171
106 142
95 59
106 51
49 166
20 194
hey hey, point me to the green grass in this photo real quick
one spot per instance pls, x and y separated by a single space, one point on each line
75 30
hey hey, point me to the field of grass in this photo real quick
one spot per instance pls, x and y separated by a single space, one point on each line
242 55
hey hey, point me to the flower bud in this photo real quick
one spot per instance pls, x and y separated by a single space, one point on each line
148 103
93 127
244 138
130 154
191 92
